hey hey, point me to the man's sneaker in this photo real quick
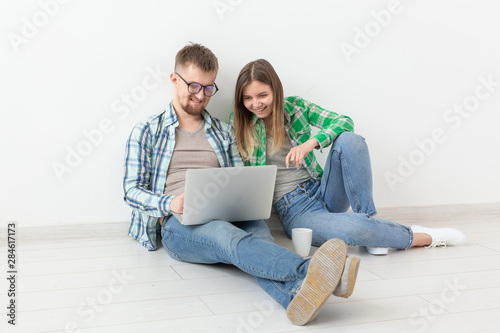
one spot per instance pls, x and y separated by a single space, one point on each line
323 275
348 280
377 251
441 236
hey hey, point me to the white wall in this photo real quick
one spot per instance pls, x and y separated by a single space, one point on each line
68 67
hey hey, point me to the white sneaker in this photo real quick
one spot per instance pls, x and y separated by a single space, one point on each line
348 279
441 236
377 251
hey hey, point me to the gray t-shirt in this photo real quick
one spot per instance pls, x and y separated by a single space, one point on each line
192 151
286 179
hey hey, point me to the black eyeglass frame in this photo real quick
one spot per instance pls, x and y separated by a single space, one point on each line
201 86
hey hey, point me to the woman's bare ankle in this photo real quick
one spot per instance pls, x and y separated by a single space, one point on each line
421 239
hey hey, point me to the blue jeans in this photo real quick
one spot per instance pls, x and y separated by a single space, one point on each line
321 204
246 245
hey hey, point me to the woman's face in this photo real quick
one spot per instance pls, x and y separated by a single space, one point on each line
258 99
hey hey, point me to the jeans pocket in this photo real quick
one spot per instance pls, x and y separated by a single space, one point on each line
281 209
171 253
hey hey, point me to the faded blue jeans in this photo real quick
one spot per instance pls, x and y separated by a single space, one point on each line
322 204
246 245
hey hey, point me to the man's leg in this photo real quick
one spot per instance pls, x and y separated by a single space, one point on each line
300 286
224 242
324 273
246 245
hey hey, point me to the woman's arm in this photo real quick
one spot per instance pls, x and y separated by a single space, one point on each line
331 124
303 114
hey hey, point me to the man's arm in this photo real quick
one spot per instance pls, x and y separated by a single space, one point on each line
138 172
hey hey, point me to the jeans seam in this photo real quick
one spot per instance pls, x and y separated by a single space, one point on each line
170 252
284 291
259 273
228 257
351 187
196 241
410 232
283 207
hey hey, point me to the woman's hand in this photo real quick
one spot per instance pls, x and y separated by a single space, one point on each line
177 204
297 154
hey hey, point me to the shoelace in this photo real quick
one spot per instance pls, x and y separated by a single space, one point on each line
437 242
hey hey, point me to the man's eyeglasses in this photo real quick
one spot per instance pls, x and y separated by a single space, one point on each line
195 87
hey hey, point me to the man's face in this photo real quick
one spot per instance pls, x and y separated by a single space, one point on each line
193 104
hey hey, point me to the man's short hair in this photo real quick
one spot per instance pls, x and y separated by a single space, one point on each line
197 55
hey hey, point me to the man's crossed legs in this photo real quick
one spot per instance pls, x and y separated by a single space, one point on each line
300 285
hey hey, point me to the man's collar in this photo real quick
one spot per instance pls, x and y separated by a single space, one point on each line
170 115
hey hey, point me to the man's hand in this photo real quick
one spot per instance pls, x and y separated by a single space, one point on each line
297 154
177 204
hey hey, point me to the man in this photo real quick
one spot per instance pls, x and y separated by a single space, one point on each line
184 136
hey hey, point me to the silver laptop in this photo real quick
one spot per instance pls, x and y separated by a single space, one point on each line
228 194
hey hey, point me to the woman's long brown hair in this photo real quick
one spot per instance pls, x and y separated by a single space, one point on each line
262 71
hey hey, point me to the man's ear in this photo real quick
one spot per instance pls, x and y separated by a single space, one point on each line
173 79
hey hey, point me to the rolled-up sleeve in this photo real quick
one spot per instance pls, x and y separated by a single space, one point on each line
137 178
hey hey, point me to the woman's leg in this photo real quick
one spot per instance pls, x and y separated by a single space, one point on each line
301 209
347 181
347 178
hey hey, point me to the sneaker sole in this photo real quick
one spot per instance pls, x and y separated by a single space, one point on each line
353 274
378 251
323 275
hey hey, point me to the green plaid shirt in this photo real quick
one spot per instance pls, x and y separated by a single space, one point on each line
300 115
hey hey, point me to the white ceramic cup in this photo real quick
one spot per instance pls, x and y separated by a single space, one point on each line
301 240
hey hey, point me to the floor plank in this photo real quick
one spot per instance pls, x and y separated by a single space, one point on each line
94 278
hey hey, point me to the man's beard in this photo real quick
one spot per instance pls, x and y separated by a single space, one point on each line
193 111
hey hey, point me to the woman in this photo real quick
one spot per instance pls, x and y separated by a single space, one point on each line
271 129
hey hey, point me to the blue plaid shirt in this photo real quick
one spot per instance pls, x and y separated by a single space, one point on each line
147 157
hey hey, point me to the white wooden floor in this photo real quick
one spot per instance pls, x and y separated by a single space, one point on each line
71 281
